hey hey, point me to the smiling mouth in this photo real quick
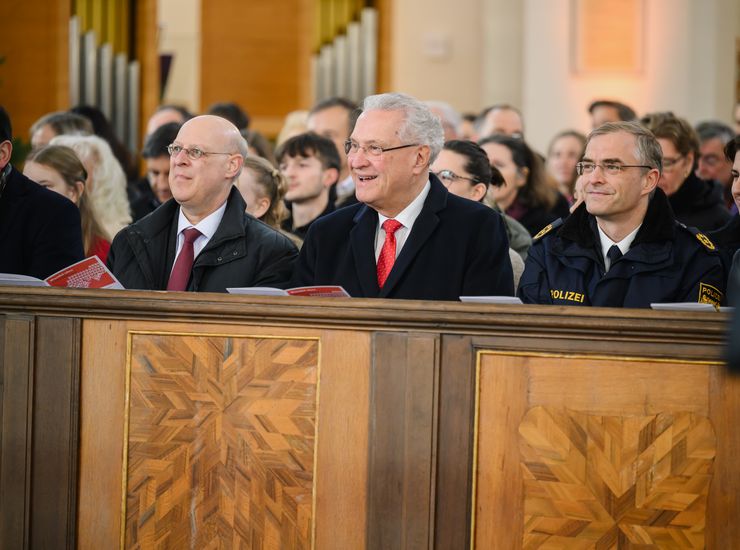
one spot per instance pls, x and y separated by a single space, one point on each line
366 178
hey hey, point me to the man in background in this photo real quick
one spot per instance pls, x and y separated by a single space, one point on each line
711 162
334 119
605 110
501 118
310 164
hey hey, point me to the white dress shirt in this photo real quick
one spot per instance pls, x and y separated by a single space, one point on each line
623 245
406 217
207 227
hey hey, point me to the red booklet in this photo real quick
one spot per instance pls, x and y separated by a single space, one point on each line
88 273
321 291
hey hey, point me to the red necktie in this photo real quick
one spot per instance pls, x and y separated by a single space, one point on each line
388 253
184 264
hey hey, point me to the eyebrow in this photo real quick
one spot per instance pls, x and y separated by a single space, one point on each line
610 160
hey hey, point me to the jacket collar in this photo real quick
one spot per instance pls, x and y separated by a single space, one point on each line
362 239
659 224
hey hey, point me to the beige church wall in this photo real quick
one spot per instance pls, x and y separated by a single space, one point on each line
687 66
179 34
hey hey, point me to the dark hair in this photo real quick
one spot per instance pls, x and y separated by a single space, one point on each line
64 122
6 129
668 126
712 129
624 112
477 163
353 111
156 143
186 115
536 192
260 143
732 148
310 144
231 112
102 128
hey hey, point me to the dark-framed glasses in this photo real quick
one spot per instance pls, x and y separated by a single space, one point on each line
448 177
193 153
352 148
609 168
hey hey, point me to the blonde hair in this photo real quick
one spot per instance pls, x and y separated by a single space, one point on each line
296 122
272 186
108 181
64 161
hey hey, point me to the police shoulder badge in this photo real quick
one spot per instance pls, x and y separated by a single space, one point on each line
549 227
709 294
703 239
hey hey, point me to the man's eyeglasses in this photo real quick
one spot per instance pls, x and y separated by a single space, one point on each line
447 177
609 168
352 148
193 153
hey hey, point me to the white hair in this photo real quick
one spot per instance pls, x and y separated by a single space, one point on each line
108 194
446 112
420 124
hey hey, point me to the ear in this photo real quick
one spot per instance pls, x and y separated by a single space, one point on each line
329 177
479 191
79 190
235 163
421 160
521 176
261 208
650 181
6 149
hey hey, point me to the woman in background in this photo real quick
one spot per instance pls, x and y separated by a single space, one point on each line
106 182
695 202
57 168
526 196
564 152
263 187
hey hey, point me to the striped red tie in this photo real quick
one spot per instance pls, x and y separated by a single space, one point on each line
388 253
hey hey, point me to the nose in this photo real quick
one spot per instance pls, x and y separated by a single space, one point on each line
179 158
358 159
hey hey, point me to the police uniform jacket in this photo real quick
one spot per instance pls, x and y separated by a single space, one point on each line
243 252
667 262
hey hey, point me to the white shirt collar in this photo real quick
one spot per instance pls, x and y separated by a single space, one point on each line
406 217
207 227
623 245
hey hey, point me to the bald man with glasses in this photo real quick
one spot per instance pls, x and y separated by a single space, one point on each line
408 237
202 240
622 247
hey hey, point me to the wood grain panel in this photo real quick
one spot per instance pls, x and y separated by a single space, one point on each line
16 340
34 79
257 54
617 481
102 411
55 432
341 460
455 442
675 394
402 466
221 442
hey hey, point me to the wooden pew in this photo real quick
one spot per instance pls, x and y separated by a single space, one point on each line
151 419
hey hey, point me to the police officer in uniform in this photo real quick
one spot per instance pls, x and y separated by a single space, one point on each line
623 246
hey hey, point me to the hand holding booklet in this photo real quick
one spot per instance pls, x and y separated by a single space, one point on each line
88 273
320 291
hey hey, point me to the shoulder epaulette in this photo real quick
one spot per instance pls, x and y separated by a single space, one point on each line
701 237
549 227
